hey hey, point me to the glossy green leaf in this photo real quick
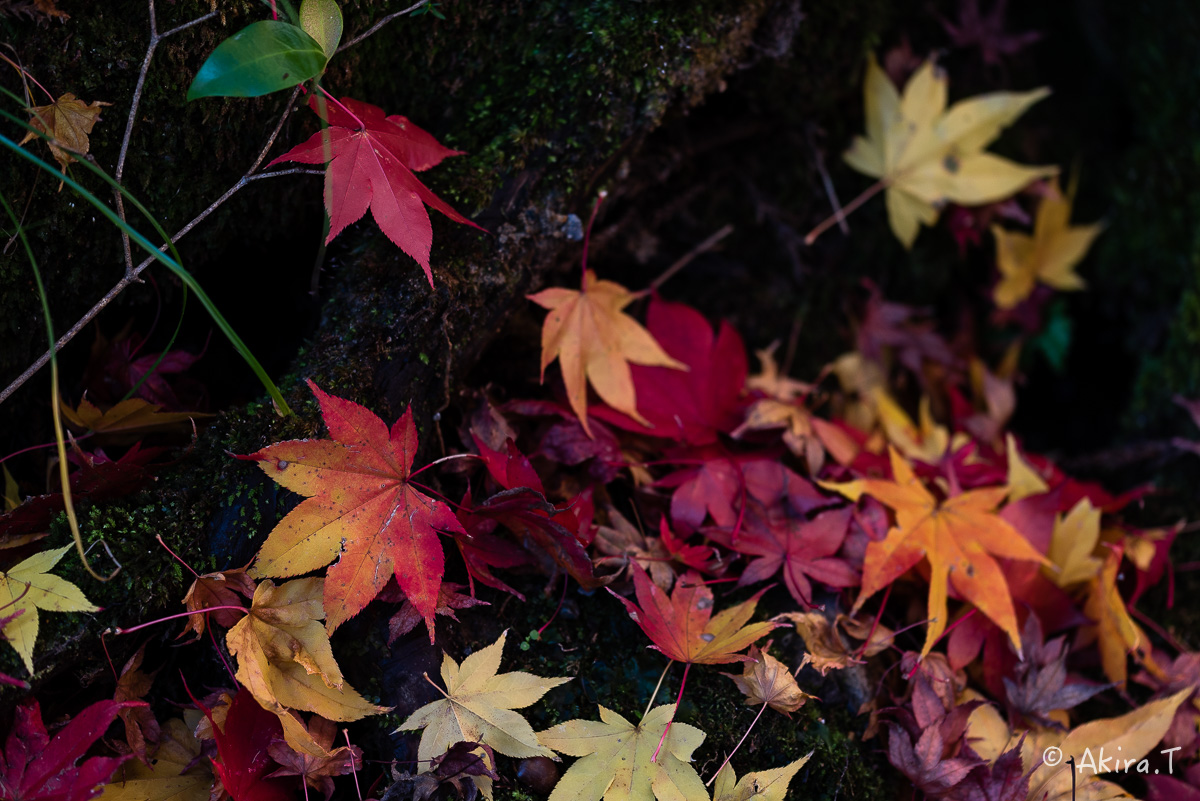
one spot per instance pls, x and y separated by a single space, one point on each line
322 20
259 59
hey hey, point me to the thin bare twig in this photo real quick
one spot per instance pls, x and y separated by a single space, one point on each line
686 259
819 156
374 28
132 275
119 173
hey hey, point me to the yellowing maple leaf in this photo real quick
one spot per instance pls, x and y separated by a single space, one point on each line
959 536
765 785
594 340
479 705
926 155
1074 539
67 122
1114 631
29 587
1048 257
1023 480
285 661
132 416
616 756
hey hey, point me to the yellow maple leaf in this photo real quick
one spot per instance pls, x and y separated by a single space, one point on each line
131 417
926 155
960 537
1114 632
1023 480
1075 537
67 122
1045 752
28 587
615 761
478 707
594 340
1048 257
765 785
285 661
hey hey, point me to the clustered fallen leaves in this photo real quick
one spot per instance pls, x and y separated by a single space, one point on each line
1011 566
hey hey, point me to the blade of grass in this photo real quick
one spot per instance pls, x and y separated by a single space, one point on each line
60 437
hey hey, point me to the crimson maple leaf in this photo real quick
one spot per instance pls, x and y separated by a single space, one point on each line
372 158
803 549
360 505
35 768
245 765
692 406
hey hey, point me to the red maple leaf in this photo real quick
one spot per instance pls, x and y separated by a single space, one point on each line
372 158
360 505
683 626
34 767
692 406
802 549
243 744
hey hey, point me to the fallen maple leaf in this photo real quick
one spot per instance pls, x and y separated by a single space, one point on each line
285 661
1038 687
683 627
223 588
925 155
1074 539
768 681
616 758
1127 738
763 785
959 536
987 31
624 544
317 771
695 403
802 549
594 340
360 504
826 650
1113 631
129 417
28 587
242 737
177 773
34 767
66 122
1048 257
141 727
372 158
478 707
449 599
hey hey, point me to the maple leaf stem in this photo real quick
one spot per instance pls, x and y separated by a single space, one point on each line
875 623
449 458
168 618
657 687
335 102
761 709
1158 629
221 654
587 239
26 74
839 217
562 598
683 683
177 557
432 684
275 16
355 767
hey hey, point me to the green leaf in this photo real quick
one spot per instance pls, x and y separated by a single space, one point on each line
322 20
259 59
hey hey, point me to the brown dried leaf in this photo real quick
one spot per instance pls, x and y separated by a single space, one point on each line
768 681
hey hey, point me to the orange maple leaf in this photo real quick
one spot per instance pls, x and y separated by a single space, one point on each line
683 626
959 536
594 340
360 506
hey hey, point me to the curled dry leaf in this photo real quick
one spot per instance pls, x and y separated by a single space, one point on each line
826 651
765 785
67 122
226 588
768 681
